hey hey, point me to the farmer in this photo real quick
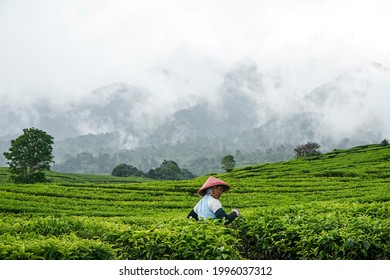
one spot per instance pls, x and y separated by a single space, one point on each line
210 206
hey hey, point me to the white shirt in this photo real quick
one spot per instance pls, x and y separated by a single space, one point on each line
207 206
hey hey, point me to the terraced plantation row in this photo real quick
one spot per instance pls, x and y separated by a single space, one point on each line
333 206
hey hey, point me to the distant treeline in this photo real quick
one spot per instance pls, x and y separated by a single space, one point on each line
196 161
168 170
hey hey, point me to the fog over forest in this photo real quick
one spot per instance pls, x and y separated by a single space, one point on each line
251 110
119 83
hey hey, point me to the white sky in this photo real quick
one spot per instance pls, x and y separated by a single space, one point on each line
67 48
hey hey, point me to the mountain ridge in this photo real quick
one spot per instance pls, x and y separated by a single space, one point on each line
254 114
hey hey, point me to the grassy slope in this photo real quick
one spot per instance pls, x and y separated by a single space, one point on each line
332 193
355 175
344 175
57 177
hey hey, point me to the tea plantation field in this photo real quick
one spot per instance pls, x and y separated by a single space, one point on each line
334 206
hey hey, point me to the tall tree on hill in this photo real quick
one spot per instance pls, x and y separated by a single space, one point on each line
29 155
228 162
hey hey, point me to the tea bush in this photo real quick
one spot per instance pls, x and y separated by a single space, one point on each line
317 232
180 239
69 247
335 207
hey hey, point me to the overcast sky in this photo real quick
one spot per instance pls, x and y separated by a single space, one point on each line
69 48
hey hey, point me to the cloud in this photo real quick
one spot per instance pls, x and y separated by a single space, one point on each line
179 51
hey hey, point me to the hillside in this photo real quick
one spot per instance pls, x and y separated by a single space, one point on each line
334 206
61 178
331 176
254 114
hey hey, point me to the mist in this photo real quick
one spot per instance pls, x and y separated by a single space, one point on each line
66 49
154 73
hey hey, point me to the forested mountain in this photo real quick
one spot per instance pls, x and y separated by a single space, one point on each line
255 115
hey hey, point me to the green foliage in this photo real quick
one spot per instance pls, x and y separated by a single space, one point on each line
54 248
125 170
74 178
169 170
180 240
341 231
30 178
334 207
228 162
29 155
53 238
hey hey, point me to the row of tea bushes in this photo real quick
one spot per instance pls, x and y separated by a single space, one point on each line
318 232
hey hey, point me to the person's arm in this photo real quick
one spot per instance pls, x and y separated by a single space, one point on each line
192 214
220 214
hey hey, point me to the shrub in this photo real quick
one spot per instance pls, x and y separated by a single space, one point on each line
180 240
125 170
307 150
316 233
169 170
54 248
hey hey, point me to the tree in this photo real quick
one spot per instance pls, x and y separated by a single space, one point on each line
228 163
307 150
385 142
125 170
169 170
29 155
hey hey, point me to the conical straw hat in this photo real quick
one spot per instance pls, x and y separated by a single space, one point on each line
211 182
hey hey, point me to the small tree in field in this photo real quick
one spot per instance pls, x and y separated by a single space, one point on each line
385 143
307 150
29 155
228 163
